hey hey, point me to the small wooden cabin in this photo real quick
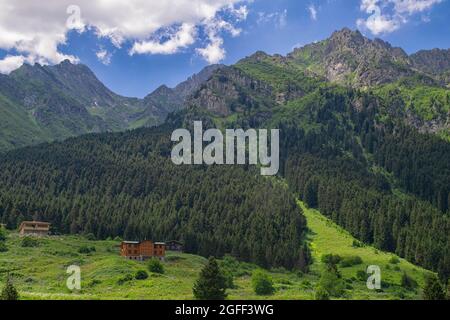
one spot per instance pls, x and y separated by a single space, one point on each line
174 245
142 250
34 228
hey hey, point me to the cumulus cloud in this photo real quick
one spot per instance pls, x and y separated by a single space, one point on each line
183 38
389 15
36 30
11 63
104 56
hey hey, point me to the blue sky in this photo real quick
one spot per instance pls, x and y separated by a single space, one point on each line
275 26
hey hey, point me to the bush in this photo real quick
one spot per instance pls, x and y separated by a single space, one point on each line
394 260
124 279
262 283
361 275
350 261
322 294
331 281
433 289
331 259
28 242
3 247
9 292
155 266
90 237
141 275
229 280
2 234
86 249
407 282
357 244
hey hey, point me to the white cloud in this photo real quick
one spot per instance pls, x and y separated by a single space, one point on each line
35 30
312 12
279 18
389 15
183 38
104 56
213 52
11 63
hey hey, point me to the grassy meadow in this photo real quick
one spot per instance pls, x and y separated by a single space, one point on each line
40 272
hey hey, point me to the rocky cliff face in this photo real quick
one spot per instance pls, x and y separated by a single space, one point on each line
434 62
350 58
231 90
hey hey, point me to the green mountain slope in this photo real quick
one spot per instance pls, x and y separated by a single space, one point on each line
68 100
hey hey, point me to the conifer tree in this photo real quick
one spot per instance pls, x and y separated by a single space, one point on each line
433 289
9 292
211 284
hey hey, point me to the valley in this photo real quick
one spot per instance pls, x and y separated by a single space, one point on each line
364 140
40 272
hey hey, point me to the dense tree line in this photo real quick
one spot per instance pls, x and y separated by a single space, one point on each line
126 185
352 167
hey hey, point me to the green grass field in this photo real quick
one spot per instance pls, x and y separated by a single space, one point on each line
40 272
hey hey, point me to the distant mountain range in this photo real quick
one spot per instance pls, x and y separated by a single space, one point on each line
45 103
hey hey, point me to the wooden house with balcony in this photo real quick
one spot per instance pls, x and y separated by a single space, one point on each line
34 228
142 250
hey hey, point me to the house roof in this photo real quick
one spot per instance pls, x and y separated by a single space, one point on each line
131 242
174 241
34 222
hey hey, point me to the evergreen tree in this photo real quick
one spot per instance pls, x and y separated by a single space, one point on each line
212 283
433 289
9 292
262 283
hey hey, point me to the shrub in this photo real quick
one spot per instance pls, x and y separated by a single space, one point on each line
394 260
2 234
331 259
322 294
350 261
28 242
155 266
357 244
361 275
3 247
433 289
124 279
262 283
86 249
141 275
407 282
90 237
331 281
9 292
94 282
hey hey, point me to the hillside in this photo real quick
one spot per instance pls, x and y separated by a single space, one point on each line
47 103
39 272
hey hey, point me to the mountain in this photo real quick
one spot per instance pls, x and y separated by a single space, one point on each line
364 138
350 58
45 103
435 62
165 100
